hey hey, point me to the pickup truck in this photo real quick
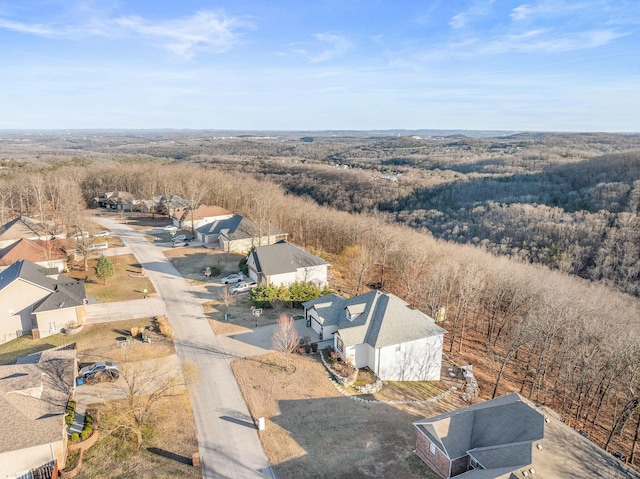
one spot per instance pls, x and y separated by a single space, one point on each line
242 287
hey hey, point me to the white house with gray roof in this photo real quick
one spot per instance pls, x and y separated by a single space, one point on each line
379 331
38 299
282 264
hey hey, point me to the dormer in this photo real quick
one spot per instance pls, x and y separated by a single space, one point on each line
354 311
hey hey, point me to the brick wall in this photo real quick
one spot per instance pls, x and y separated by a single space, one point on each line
438 462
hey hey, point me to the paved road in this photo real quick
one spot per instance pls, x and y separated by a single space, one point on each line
227 436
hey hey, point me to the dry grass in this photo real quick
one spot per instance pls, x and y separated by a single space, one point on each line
313 431
168 445
95 342
191 261
128 282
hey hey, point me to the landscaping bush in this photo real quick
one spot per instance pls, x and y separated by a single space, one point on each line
86 432
70 413
75 437
136 331
164 327
215 271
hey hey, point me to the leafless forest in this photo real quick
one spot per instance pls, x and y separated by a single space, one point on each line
527 244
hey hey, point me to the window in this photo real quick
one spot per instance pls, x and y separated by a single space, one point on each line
473 464
339 344
432 448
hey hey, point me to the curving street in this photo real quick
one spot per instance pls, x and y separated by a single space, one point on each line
227 436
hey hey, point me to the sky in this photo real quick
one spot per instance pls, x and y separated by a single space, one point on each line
539 65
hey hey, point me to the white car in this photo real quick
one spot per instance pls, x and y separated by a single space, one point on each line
179 238
242 287
179 244
101 233
170 228
232 278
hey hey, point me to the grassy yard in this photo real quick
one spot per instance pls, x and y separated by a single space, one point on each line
168 445
95 342
313 431
191 261
128 282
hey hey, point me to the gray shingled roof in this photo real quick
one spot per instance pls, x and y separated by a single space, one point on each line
30 272
328 308
236 228
501 421
283 257
383 319
65 292
518 427
33 398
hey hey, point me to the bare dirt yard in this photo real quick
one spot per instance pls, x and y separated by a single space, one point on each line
313 431
192 260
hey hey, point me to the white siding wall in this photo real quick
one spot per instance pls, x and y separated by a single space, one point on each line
14 462
313 274
362 356
419 360
285 279
16 301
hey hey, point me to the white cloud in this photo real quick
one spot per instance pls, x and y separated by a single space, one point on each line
330 47
33 28
476 10
204 31
545 9
540 40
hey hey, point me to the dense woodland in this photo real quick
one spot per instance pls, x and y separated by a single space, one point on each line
569 202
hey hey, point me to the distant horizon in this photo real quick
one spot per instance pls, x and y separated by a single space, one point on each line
387 131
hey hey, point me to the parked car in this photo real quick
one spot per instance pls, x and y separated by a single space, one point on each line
242 287
179 244
101 233
170 228
232 278
100 371
179 238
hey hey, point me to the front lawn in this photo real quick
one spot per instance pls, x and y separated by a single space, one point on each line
128 282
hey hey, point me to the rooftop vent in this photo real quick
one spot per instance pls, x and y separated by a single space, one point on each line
539 446
532 470
546 419
525 473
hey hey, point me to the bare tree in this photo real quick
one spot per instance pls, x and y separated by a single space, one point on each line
285 337
144 389
226 297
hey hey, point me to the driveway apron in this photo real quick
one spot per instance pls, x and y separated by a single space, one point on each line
227 437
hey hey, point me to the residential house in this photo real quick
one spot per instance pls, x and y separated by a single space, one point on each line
189 218
238 234
117 200
50 253
37 299
29 228
283 264
167 204
379 331
507 438
33 399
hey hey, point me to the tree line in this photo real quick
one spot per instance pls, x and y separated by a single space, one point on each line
560 340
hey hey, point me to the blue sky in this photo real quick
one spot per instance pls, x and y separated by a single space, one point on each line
314 65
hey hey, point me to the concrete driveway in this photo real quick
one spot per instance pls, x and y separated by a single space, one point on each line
228 448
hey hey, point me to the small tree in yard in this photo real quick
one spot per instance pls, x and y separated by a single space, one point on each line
285 337
105 269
